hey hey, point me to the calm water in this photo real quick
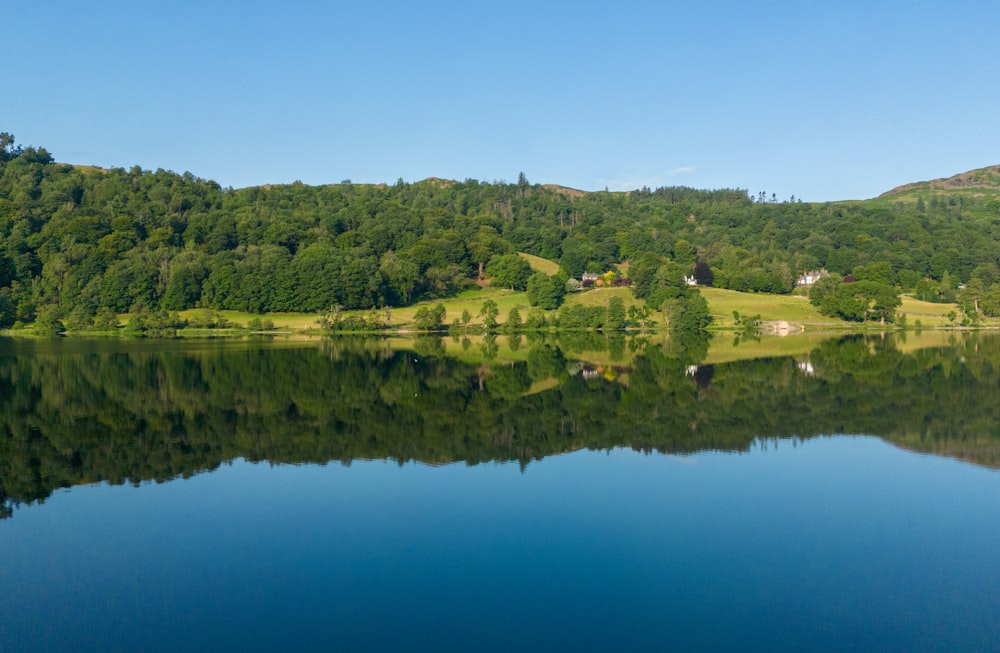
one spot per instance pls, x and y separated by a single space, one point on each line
547 498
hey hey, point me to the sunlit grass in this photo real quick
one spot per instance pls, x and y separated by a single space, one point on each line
471 301
540 264
601 297
794 309
791 308
929 313
296 321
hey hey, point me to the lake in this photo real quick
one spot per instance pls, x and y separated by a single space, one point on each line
571 493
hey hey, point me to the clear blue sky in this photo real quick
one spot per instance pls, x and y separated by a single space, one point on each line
823 100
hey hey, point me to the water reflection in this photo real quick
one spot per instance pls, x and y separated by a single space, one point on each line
81 412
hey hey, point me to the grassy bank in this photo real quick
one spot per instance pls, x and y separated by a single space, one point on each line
795 310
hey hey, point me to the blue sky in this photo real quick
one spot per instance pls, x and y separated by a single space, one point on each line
825 101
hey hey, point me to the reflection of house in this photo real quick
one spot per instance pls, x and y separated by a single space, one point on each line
606 372
809 278
806 368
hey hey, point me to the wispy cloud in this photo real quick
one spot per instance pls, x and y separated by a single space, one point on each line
683 170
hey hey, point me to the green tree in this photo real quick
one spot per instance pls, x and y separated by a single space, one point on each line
429 319
855 302
513 322
106 320
486 245
546 292
690 313
642 272
401 277
489 311
48 322
79 319
616 315
971 296
509 271
7 149
879 272
684 253
668 285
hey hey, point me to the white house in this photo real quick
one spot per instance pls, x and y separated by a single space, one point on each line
809 278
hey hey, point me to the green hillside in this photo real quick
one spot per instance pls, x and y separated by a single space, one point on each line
80 244
979 184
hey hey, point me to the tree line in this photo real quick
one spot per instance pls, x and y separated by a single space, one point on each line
86 239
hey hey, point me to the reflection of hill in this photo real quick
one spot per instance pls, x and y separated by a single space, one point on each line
122 413
978 451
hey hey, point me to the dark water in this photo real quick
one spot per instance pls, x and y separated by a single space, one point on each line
548 498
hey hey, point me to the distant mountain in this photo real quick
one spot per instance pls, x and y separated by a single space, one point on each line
983 181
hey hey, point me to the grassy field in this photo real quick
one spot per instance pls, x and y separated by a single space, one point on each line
540 264
929 314
601 297
791 308
295 321
794 309
797 309
471 301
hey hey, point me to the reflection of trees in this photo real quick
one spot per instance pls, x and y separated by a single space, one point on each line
138 413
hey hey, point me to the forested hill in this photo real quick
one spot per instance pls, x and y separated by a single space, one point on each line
73 237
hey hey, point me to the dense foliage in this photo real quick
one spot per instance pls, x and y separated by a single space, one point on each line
82 411
85 239
855 301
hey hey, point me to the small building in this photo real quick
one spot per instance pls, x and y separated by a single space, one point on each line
589 279
809 278
691 281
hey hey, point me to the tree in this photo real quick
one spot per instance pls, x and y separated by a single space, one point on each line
703 274
879 272
7 149
684 252
513 322
546 291
854 302
49 322
78 319
668 284
509 271
689 313
643 274
615 320
486 245
8 308
400 277
429 319
823 293
970 296
638 315
880 300
489 311
106 320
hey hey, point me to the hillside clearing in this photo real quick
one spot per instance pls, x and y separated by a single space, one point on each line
540 264
790 308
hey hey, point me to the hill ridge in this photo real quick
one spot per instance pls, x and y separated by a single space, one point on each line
987 178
